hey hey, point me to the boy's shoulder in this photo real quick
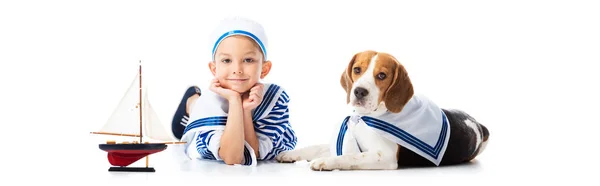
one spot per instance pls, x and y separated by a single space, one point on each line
275 90
273 86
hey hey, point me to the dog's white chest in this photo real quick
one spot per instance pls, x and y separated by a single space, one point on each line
368 139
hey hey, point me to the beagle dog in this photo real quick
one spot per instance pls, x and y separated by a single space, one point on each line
391 126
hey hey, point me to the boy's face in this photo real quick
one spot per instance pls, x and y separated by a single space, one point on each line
239 63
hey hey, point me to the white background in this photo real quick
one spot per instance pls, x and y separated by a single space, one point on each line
525 69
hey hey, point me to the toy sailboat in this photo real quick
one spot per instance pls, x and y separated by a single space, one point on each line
134 117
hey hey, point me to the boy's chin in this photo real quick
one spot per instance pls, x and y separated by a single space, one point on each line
240 90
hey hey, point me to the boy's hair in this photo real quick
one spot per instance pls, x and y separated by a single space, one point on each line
236 25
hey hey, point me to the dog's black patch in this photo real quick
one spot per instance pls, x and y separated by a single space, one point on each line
461 145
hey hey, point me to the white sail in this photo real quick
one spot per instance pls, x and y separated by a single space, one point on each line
153 128
125 119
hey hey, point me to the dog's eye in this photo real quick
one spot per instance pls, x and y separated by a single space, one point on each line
357 70
381 75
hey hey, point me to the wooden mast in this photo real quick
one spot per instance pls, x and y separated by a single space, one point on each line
140 98
140 103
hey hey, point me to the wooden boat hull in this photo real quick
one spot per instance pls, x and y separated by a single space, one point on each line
126 154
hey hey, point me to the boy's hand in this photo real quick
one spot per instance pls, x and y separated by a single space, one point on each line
226 93
252 99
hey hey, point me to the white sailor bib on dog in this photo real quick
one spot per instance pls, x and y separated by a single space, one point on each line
209 117
421 126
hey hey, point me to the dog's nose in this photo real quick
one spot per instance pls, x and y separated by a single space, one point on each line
360 92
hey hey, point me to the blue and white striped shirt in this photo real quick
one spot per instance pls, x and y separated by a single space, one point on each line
208 117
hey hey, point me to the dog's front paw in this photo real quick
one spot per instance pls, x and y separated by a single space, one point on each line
288 157
323 164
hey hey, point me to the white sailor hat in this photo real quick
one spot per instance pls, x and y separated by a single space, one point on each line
238 26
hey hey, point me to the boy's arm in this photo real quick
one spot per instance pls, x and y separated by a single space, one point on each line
249 133
232 140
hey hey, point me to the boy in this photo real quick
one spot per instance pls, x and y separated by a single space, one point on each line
240 120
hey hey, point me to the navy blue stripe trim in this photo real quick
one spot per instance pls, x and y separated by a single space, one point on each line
268 98
247 157
405 136
340 138
209 121
236 32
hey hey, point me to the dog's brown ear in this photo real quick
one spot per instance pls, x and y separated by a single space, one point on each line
346 79
401 90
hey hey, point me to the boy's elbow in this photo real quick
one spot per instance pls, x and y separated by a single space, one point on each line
232 160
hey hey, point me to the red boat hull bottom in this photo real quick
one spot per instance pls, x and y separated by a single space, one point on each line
125 154
127 157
